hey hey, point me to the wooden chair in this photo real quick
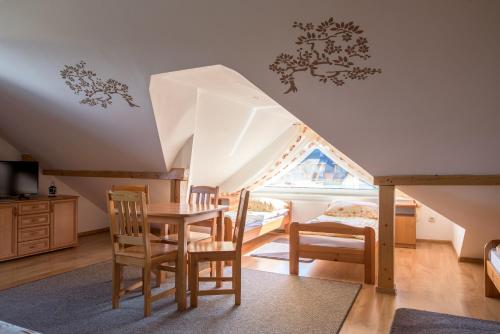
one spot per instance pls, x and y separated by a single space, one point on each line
202 195
341 249
205 195
128 218
220 251
144 188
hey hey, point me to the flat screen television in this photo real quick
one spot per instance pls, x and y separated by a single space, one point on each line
18 178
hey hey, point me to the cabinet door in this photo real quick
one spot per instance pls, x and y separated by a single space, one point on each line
406 233
8 231
63 223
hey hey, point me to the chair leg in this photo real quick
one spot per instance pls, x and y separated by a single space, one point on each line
188 274
159 278
237 280
294 249
142 278
146 283
193 278
213 231
117 282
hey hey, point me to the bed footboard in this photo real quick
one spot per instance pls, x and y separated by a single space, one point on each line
365 256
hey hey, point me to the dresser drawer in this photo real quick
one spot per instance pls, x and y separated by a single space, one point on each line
34 207
33 233
34 220
31 247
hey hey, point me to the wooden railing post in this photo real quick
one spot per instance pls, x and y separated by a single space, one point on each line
386 240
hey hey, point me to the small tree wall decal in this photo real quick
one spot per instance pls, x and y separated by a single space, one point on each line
328 51
95 90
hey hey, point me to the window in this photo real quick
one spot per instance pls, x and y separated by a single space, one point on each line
318 170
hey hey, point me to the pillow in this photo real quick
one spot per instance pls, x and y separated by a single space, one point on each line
352 209
266 204
498 249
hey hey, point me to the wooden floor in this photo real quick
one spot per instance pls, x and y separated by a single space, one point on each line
428 278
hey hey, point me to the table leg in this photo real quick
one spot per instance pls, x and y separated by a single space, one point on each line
219 265
180 273
161 274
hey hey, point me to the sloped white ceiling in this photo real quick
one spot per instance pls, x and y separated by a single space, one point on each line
433 109
229 119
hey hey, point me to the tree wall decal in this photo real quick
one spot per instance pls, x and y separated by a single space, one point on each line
328 51
95 90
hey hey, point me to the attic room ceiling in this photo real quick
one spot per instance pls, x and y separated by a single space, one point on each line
436 99
432 110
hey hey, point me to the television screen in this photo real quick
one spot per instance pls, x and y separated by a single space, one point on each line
18 178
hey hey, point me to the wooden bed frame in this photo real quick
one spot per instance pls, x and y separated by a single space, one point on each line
364 256
277 223
491 277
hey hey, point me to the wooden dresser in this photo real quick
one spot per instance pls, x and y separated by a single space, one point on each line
37 225
406 224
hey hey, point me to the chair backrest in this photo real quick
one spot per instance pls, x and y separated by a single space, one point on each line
203 195
241 217
127 212
133 187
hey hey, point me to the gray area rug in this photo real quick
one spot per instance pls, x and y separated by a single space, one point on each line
278 249
80 302
410 321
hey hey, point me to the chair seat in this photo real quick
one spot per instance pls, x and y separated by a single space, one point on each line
157 250
210 247
193 237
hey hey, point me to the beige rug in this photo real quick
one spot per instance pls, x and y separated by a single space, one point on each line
278 249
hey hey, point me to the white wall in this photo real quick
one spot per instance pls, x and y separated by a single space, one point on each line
474 208
458 238
259 163
433 226
90 217
229 134
174 110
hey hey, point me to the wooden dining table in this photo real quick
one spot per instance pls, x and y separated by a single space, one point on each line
182 215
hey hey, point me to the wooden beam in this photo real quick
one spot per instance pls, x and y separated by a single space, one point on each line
386 240
180 174
437 180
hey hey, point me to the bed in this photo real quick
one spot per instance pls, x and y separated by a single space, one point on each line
349 213
492 269
345 232
264 215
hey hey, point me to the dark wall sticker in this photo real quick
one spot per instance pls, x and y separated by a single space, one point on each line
95 90
328 51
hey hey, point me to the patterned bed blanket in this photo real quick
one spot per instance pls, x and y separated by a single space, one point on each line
350 221
257 218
